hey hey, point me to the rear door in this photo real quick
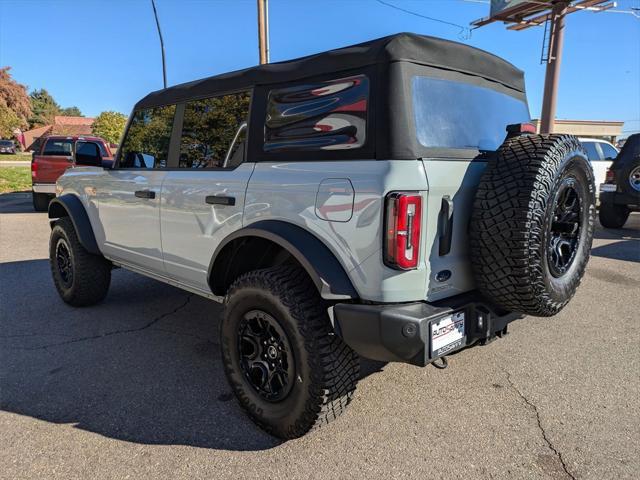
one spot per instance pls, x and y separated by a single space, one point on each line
203 198
462 124
56 157
129 196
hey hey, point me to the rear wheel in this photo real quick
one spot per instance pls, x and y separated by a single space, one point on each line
612 215
80 277
286 366
532 223
41 201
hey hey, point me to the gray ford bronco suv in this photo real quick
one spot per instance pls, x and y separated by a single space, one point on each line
384 200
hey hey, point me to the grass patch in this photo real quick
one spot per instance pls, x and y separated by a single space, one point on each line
20 156
15 179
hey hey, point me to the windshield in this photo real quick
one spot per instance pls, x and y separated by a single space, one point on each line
450 114
6 143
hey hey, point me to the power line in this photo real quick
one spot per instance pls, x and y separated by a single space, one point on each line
464 33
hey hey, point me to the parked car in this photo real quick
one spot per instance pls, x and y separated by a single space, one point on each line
55 155
7 146
620 193
386 200
601 154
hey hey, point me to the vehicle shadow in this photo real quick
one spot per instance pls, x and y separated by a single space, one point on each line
143 366
16 202
627 244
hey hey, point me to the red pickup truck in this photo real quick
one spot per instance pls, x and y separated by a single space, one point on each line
55 155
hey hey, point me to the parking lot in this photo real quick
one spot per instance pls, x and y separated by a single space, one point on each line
134 388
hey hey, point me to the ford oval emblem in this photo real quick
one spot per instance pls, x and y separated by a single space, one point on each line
443 275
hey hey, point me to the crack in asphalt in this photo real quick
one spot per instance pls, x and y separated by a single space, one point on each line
533 406
115 332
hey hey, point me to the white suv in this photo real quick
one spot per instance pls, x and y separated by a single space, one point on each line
601 154
383 200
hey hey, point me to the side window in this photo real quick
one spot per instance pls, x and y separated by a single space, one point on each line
58 147
214 132
608 151
147 142
592 152
329 115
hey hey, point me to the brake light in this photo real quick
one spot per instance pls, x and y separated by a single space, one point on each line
610 177
34 169
403 213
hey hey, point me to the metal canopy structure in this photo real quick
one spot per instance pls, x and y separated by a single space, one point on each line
523 14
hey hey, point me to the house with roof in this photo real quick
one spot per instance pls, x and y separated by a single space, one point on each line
62 125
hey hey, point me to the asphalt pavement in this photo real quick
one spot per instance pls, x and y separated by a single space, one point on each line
134 388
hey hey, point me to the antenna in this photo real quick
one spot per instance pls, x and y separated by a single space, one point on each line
164 66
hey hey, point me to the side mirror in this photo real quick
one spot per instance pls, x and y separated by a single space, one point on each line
108 163
88 154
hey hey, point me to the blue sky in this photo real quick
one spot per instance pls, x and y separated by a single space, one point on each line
103 55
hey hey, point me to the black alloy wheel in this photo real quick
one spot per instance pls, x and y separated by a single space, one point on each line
565 227
266 357
64 262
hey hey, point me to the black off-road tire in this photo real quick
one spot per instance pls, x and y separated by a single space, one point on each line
612 215
90 275
40 201
326 370
512 220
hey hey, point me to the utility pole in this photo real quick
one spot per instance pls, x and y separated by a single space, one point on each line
164 66
552 76
263 31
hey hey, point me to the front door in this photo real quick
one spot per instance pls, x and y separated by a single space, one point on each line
203 198
129 196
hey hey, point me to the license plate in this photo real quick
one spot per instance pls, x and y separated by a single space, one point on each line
447 334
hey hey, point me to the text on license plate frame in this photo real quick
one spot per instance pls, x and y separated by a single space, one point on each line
447 334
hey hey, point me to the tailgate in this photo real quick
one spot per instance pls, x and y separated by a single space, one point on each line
50 167
452 186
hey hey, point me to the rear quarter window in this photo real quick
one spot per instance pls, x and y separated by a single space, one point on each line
329 115
450 114
61 148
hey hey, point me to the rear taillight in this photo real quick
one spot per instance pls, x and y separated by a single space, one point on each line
34 169
611 177
403 213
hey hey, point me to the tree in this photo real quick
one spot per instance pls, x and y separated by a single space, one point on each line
110 126
71 112
9 121
14 99
44 108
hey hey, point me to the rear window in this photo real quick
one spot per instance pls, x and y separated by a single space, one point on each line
451 114
328 115
6 143
58 147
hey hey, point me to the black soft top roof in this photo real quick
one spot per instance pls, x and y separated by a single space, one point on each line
401 47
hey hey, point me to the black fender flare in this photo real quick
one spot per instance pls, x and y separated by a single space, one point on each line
69 205
320 263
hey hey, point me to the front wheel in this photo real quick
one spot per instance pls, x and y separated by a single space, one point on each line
80 277
612 215
286 366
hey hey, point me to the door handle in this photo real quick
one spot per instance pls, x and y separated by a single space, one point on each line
220 200
446 225
145 194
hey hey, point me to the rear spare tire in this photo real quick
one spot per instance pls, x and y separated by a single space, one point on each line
532 223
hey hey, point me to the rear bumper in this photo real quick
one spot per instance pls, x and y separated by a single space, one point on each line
402 332
621 198
44 188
